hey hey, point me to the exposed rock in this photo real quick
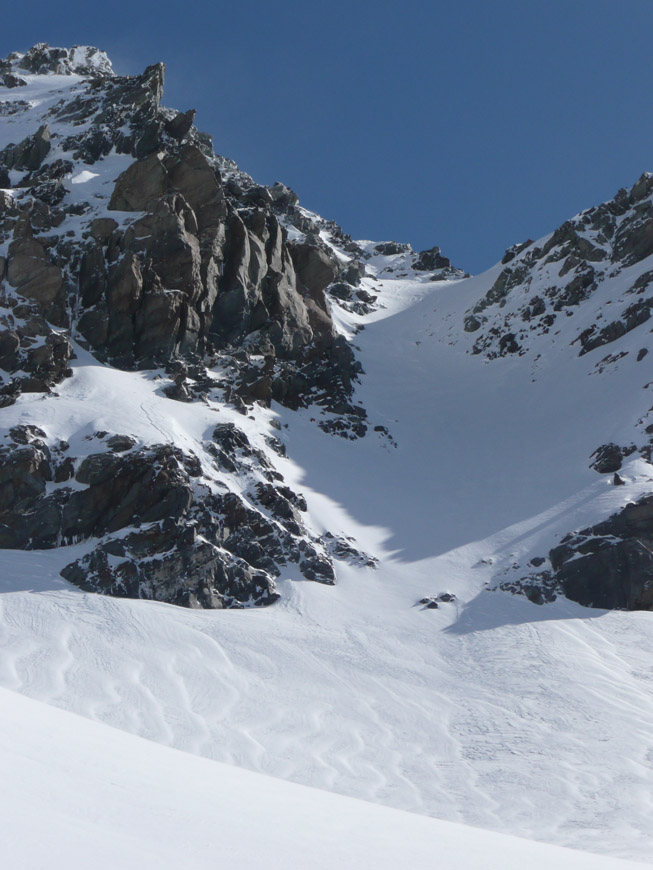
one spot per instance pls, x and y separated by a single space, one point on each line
179 126
609 457
609 565
430 260
10 80
140 185
30 271
79 60
166 562
30 153
389 249
283 196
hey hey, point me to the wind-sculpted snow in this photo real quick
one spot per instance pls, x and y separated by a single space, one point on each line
161 808
468 459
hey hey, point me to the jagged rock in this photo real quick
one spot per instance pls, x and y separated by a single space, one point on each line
30 153
430 260
188 272
147 485
10 80
608 565
609 457
179 126
283 196
389 249
167 563
81 60
513 250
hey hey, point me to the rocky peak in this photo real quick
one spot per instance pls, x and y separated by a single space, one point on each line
43 59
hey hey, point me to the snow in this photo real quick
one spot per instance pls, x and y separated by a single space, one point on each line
78 794
489 711
83 176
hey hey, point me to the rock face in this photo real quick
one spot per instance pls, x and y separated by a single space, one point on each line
156 528
181 263
195 263
608 565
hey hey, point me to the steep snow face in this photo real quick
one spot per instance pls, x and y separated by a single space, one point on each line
487 709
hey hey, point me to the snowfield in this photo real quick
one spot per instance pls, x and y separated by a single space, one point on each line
490 711
79 794
308 728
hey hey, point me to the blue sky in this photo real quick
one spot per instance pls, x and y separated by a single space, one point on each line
471 125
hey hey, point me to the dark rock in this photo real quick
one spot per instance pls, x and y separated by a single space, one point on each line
140 185
102 229
165 563
283 196
9 344
315 269
514 250
10 80
30 153
354 272
430 260
609 565
179 126
609 457
389 249
30 271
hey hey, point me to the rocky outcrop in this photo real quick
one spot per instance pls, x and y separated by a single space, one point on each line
84 60
157 527
608 565
186 266
541 284
28 154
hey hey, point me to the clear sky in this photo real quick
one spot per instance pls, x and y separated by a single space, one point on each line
468 124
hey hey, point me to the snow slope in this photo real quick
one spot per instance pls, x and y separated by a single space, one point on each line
79 794
490 710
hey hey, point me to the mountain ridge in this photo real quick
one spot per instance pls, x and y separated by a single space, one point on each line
385 487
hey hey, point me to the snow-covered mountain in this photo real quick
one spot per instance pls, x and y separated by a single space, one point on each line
211 395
